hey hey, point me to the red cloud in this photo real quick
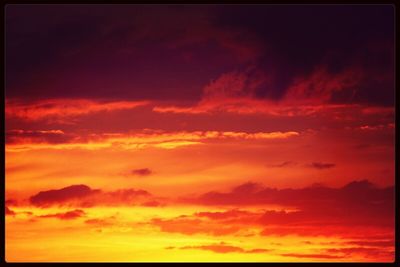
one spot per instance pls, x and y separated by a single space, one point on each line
57 196
224 215
69 215
378 254
239 92
152 203
384 243
101 221
62 110
321 165
141 172
320 85
356 201
358 204
84 196
283 164
9 211
233 85
42 136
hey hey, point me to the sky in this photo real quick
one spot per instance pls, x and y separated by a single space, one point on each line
211 133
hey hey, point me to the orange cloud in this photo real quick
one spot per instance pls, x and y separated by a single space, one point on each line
192 225
311 256
101 222
137 140
222 247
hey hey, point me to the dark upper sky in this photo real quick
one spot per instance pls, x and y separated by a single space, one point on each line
173 52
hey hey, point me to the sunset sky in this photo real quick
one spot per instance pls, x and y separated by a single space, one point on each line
152 133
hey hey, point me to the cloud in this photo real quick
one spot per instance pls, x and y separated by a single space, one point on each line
376 253
69 215
322 166
234 85
38 136
58 196
223 215
11 202
219 223
152 203
193 225
357 203
84 196
145 138
62 110
222 247
124 195
274 223
247 92
254 193
283 164
142 172
378 243
354 250
311 256
252 90
101 222
321 85
9 211
377 127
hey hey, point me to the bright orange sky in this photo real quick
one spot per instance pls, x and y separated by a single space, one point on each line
220 141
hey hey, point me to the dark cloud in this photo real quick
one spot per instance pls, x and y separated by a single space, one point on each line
283 164
38 136
84 196
325 34
105 51
142 172
322 165
69 215
57 196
